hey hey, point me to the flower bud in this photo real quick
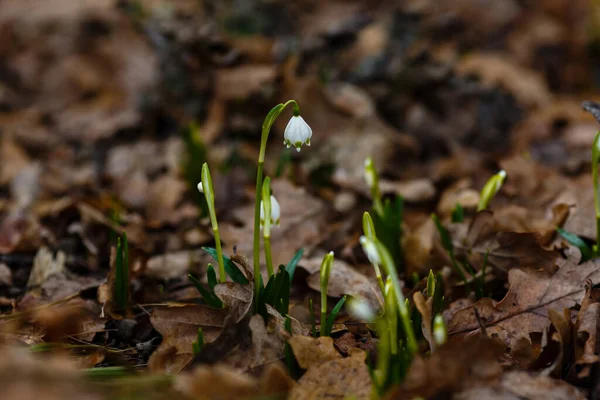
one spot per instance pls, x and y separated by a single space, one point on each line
275 212
370 249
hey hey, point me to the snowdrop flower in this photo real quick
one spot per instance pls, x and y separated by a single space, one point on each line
275 212
297 132
440 334
370 173
370 249
200 188
360 309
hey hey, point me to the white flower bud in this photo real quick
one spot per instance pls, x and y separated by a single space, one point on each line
440 334
297 132
275 212
200 188
360 309
370 250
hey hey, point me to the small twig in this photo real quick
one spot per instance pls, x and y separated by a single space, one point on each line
480 322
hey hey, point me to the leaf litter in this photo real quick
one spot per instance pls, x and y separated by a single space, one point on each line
102 103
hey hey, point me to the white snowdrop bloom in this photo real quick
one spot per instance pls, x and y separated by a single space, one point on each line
297 132
360 309
200 188
275 212
370 250
440 334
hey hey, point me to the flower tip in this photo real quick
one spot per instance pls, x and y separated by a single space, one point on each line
502 173
200 188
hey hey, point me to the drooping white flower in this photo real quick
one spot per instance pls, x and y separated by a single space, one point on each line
275 212
200 188
370 250
297 132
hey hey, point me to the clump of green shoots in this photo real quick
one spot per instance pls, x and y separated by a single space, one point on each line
327 321
397 343
266 215
121 294
589 252
462 266
387 214
225 265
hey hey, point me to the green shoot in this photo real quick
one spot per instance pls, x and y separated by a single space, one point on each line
199 343
491 187
209 296
206 187
372 180
324 282
291 266
332 316
369 230
458 214
121 294
277 292
586 252
449 247
378 254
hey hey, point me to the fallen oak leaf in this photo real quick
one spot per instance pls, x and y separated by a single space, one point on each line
453 366
525 307
338 378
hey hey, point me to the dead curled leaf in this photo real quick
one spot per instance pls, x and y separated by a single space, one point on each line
507 250
224 382
525 307
522 385
329 375
454 365
179 326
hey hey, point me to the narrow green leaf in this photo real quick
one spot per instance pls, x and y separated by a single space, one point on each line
209 297
199 343
444 234
586 252
333 315
232 270
211 275
291 266
458 214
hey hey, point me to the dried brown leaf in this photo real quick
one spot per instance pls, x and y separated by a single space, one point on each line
525 307
336 378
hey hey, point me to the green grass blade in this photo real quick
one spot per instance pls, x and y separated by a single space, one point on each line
333 315
291 266
586 252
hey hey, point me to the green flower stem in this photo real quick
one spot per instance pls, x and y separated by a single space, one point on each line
209 194
266 128
324 275
269 260
391 314
369 230
266 202
390 269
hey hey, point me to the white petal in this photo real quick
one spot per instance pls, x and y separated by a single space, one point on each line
370 250
200 188
275 211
